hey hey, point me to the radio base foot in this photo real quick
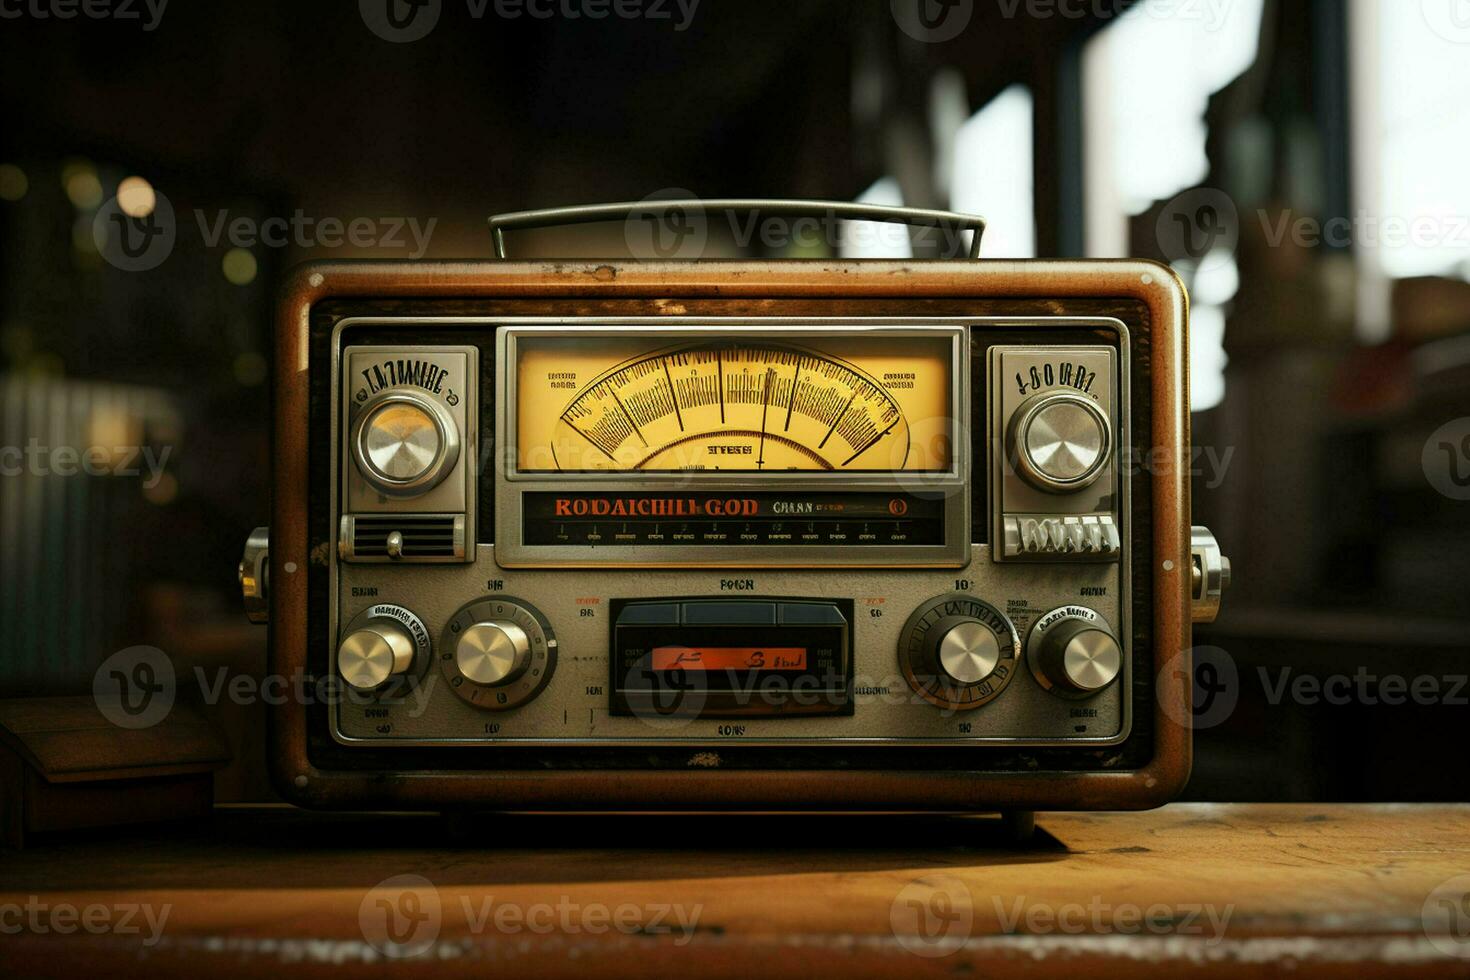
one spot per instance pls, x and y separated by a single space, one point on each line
1018 826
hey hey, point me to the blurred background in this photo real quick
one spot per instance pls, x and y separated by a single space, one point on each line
1301 163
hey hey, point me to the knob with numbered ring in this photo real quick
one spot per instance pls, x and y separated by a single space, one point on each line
958 652
498 653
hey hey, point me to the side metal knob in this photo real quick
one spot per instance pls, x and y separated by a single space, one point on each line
1209 575
1058 442
254 575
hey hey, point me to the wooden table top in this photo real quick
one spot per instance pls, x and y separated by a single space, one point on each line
1192 889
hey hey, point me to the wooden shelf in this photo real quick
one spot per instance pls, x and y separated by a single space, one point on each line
1300 890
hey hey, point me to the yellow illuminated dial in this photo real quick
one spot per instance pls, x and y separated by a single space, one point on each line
601 403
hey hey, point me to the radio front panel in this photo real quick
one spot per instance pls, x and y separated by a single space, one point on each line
771 531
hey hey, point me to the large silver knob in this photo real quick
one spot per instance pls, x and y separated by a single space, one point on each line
1073 652
968 652
492 653
380 648
1059 441
404 443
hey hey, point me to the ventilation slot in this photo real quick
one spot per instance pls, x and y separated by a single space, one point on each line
425 536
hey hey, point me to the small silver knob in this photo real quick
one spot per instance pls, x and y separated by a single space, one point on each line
404 443
379 649
1059 441
495 652
968 652
1072 652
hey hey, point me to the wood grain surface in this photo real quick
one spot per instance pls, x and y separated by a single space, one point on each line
1189 890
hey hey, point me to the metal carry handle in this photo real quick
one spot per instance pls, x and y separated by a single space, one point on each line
845 210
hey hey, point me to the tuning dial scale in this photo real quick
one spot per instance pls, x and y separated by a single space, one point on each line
497 653
1073 653
958 652
382 642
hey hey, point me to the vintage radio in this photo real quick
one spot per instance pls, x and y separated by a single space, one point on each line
835 535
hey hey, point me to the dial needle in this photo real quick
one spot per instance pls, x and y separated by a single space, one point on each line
760 460
673 395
